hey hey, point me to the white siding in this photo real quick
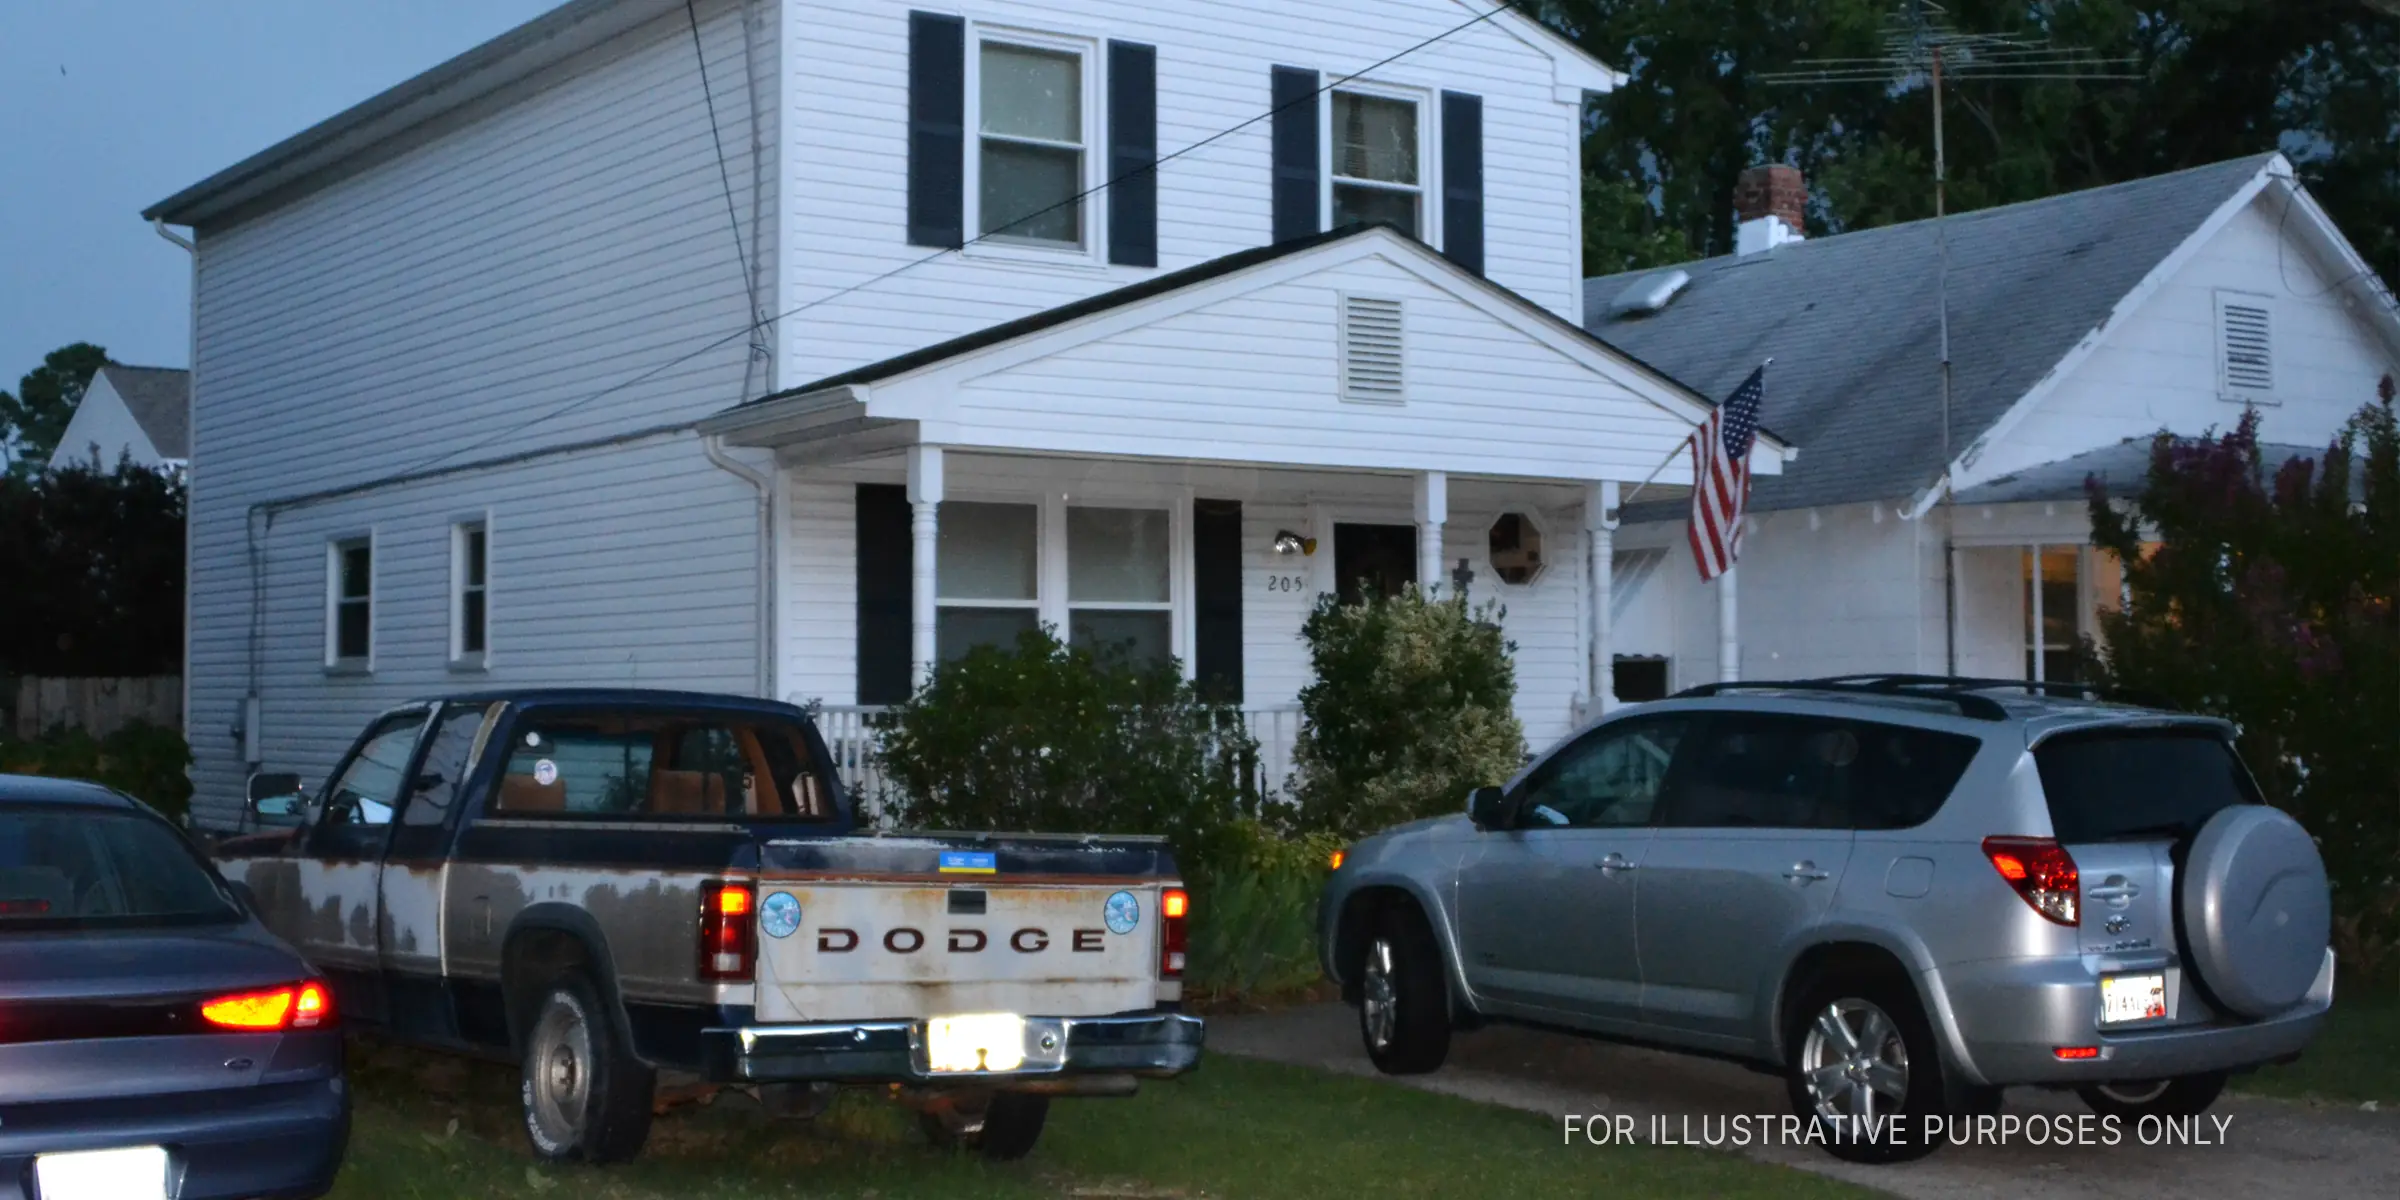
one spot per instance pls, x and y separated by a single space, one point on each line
847 87
2159 368
103 430
447 304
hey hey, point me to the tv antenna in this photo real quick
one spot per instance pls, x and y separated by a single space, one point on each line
1920 49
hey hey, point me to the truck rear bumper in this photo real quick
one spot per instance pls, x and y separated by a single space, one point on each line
1150 1045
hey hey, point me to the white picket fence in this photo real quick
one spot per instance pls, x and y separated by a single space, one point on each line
850 737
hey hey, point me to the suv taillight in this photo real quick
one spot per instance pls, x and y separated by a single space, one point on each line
1174 904
2042 872
728 932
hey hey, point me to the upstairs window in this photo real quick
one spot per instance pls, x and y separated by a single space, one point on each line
1377 161
1031 161
350 603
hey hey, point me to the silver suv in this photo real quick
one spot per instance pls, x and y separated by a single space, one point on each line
1903 893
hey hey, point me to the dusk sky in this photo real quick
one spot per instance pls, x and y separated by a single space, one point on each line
112 105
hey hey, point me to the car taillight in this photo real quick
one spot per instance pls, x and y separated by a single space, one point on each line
1174 904
728 932
305 1005
2042 872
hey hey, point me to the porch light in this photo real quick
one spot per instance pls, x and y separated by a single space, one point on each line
1287 542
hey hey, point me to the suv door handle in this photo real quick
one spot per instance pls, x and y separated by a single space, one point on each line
1805 871
1615 862
2114 891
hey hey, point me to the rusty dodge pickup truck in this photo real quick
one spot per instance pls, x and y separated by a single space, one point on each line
607 884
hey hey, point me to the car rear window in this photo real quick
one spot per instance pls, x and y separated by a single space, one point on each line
74 867
2110 785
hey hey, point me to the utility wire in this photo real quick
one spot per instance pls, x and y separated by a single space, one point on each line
757 323
733 216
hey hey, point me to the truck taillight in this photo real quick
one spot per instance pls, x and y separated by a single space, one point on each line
2042 872
1174 904
728 932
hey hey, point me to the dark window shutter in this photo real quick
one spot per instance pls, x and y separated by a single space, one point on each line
884 552
1217 599
1132 154
1462 179
1297 198
937 129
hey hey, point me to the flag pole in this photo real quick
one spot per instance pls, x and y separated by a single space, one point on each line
1679 448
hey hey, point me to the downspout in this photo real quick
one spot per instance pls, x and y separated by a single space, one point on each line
191 395
714 446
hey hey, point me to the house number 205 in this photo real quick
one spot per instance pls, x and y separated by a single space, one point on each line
1284 583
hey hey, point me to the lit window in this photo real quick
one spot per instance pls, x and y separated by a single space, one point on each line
2053 612
986 581
350 602
1118 593
1031 162
1376 173
471 611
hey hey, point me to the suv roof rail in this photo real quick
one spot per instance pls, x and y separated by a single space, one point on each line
1968 703
2043 687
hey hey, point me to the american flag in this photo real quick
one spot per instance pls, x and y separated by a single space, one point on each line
1721 476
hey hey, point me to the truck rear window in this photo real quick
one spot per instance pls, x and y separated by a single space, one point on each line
664 765
2115 784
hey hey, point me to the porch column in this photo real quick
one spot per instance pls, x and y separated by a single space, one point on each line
924 533
1600 526
1433 508
1729 640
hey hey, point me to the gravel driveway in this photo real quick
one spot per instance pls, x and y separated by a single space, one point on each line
2269 1148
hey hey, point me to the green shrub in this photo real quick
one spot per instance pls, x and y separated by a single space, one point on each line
1253 929
1048 738
141 760
1413 705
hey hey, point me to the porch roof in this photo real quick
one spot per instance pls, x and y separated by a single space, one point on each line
2122 469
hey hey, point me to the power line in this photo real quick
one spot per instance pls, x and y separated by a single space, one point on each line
708 92
757 323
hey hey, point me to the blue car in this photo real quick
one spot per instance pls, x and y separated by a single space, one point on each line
156 1041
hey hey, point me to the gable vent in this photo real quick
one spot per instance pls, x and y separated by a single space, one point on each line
1371 349
2245 345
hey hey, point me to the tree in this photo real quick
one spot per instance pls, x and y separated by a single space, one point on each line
2271 601
35 416
93 561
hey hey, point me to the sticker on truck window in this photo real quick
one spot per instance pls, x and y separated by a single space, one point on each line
545 772
1122 912
970 862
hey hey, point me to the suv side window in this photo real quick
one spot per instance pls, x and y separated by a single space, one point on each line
1611 778
1782 771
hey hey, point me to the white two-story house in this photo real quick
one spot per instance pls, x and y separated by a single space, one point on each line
790 347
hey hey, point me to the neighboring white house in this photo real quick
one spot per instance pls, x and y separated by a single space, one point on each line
506 378
137 413
2079 326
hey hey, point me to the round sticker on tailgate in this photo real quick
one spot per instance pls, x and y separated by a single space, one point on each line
1122 912
779 915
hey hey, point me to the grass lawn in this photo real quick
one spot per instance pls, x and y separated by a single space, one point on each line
2355 1059
435 1127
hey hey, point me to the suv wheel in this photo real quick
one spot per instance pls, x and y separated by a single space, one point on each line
585 1096
1403 1003
2183 1096
1861 1063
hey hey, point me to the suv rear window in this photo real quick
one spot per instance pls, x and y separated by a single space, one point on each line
2114 784
81 868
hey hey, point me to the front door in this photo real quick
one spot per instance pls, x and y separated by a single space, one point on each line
341 863
1751 845
1377 560
1546 909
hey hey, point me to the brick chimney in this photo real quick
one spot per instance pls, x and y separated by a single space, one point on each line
1768 201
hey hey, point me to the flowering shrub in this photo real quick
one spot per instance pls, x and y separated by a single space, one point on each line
2270 600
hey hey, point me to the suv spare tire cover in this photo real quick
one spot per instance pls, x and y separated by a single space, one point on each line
2256 911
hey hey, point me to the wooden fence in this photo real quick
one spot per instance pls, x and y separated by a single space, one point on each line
97 706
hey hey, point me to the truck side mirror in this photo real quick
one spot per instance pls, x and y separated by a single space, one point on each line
1488 808
276 798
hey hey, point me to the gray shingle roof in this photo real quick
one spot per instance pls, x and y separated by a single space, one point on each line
2122 468
160 400
1851 322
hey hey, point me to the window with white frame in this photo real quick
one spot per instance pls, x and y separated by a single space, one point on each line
987 576
1120 581
1377 172
350 602
2054 612
1033 141
470 591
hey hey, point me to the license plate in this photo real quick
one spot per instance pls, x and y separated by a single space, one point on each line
133 1173
2132 998
975 1042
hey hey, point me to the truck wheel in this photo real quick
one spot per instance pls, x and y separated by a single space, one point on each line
1002 1126
1861 1063
2183 1096
1403 1003
585 1096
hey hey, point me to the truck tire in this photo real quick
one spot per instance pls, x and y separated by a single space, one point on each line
585 1096
1403 1002
1857 1047
1001 1126
2182 1096
2254 910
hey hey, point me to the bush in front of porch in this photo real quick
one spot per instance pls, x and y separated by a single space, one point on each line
1413 705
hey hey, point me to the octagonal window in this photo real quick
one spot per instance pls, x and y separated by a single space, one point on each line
1516 548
